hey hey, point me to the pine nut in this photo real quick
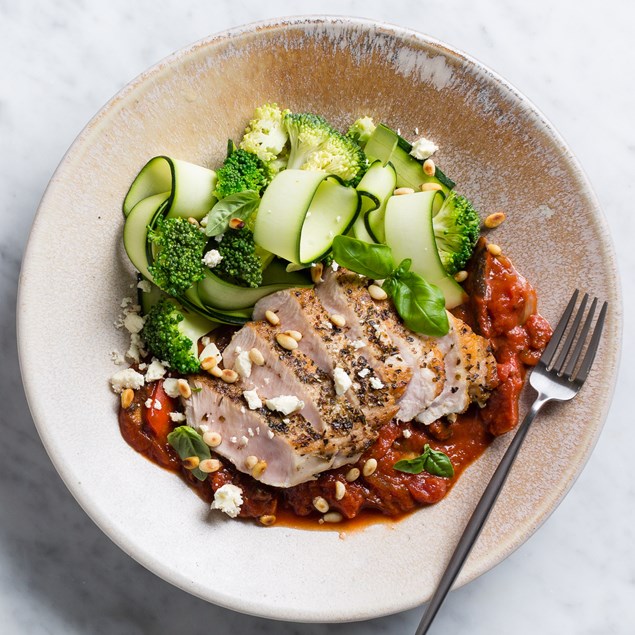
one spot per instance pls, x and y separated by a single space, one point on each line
286 341
213 439
250 462
229 376
208 363
495 250
259 469
191 462
267 520
296 335
352 474
192 221
256 357
236 223
316 273
321 504
338 320
217 371
429 168
333 517
460 276
272 318
369 467
209 466
400 191
376 292
430 187
184 388
127 396
340 490
494 220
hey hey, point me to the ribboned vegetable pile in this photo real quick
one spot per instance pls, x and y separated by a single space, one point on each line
216 241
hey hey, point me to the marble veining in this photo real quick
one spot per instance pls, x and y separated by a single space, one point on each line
60 62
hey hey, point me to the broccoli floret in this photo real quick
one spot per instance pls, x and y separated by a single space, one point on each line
316 145
240 264
164 334
178 263
241 171
361 130
266 136
456 229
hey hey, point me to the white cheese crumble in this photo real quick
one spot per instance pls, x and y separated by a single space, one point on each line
133 322
357 344
286 404
406 434
148 403
228 499
270 434
342 381
253 400
144 285
243 441
212 258
155 371
210 350
376 383
242 365
171 387
158 405
177 417
137 348
125 302
334 266
219 238
423 148
364 372
117 358
127 378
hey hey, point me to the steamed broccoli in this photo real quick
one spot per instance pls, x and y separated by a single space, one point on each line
316 145
240 264
266 136
361 130
240 171
165 334
178 263
456 229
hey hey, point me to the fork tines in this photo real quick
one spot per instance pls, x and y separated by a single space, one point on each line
565 363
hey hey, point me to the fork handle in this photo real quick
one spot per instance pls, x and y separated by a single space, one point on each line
478 518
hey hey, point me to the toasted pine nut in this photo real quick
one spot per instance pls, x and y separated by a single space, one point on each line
340 490
229 376
213 439
256 357
352 474
127 397
369 467
208 466
296 335
495 250
338 320
267 520
191 462
192 221
208 363
400 191
259 469
272 318
429 168
316 273
236 223
460 276
430 187
184 388
217 371
321 504
286 341
333 517
250 462
376 292
494 220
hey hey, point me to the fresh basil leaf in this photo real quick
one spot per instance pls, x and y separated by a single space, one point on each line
438 463
411 466
420 304
188 442
372 261
240 205
404 267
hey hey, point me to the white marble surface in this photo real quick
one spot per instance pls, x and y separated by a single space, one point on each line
60 61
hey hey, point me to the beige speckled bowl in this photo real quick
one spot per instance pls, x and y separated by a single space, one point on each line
493 142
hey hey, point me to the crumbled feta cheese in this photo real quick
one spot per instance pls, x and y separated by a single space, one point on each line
133 322
406 434
228 498
286 404
177 417
148 403
364 372
244 441
253 400
211 350
117 357
423 148
212 258
142 366
125 302
137 348
242 365
233 439
250 432
376 383
205 340
144 285
157 405
357 344
127 378
286 421
155 371
342 381
334 266
270 434
219 238
171 387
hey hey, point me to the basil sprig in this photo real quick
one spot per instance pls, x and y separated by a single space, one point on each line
188 442
240 205
420 304
432 461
